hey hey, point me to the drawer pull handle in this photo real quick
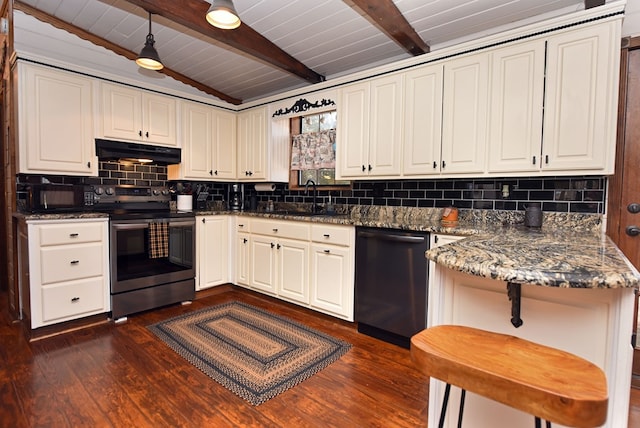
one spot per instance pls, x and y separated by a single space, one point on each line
275 230
75 262
326 235
241 225
75 299
73 235
327 251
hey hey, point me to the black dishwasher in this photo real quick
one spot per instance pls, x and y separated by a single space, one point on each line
391 283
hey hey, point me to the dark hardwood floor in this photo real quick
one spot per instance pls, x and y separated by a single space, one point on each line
123 376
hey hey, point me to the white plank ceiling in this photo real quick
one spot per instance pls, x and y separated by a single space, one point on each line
328 36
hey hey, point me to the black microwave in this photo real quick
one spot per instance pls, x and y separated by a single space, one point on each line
58 197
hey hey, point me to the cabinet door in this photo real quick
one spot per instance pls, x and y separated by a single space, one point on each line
293 270
213 257
385 120
352 150
332 285
465 114
242 261
263 263
55 123
252 144
581 98
423 121
515 118
197 142
224 145
159 119
121 112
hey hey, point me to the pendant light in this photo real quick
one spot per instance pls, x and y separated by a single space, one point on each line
223 15
149 57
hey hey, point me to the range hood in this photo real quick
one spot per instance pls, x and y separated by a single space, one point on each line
135 152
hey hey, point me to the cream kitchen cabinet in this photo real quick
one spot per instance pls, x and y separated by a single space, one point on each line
212 251
581 96
55 122
515 118
68 278
242 252
135 115
280 259
422 121
208 144
464 114
332 269
252 145
370 129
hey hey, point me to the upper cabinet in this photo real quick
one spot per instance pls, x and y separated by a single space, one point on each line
464 114
422 120
515 123
208 144
55 122
581 99
252 144
135 115
370 129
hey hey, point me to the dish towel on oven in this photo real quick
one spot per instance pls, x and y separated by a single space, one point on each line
158 240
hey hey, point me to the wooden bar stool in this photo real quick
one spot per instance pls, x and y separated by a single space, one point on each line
545 382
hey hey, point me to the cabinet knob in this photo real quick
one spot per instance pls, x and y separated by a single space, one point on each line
370 167
216 172
210 172
146 134
633 230
435 164
203 221
278 247
363 168
250 172
88 164
75 262
273 245
633 208
75 299
444 164
244 240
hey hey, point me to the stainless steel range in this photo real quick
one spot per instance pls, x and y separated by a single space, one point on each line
151 249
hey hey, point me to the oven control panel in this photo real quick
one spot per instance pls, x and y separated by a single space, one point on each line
128 193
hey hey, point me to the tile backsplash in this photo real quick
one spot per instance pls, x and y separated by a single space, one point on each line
577 194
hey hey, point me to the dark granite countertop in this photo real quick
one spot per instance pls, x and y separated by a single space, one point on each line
570 250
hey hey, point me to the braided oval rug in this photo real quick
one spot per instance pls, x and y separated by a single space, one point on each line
253 353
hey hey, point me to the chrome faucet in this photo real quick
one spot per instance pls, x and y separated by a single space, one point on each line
314 207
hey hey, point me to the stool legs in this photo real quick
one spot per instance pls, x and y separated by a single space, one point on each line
445 403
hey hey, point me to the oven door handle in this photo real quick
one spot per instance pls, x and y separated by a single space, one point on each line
130 226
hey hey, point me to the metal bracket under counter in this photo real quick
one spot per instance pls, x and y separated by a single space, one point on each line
514 291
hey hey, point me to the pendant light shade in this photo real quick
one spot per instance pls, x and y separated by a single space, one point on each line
149 57
223 15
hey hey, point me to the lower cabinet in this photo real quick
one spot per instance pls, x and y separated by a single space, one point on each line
300 262
66 273
212 251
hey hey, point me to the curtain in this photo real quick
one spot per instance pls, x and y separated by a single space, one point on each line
314 150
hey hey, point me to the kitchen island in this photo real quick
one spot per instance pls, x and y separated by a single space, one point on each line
567 288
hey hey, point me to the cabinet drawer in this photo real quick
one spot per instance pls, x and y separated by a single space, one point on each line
243 225
70 233
337 235
73 299
64 263
281 229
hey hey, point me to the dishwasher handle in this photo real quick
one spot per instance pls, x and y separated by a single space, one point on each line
392 237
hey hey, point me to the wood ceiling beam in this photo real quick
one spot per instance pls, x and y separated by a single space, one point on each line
191 14
385 15
83 34
588 4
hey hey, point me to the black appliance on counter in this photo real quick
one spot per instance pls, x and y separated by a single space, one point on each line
391 283
151 249
52 197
